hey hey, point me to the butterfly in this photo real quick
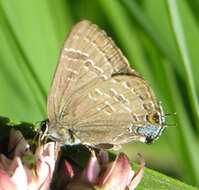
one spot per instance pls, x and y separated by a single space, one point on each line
96 98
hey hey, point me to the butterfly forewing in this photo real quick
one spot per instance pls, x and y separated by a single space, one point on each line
94 91
87 57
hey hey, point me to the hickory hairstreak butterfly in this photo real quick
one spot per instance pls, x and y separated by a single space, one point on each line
96 99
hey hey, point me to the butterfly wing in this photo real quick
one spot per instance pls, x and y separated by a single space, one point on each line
87 57
95 92
110 111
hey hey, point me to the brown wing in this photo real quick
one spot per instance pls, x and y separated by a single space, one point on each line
95 92
110 111
88 57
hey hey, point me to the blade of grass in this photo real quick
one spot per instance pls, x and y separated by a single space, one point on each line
61 17
148 28
26 67
182 138
189 144
194 6
126 34
176 23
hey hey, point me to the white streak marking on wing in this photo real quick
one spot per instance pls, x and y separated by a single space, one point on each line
130 127
91 97
116 138
133 91
152 104
99 69
98 109
107 96
114 91
108 104
76 51
97 48
106 112
125 99
71 79
72 71
99 91
90 61
126 108
114 81
135 117
125 85
105 77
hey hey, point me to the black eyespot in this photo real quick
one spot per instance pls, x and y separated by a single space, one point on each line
149 140
156 118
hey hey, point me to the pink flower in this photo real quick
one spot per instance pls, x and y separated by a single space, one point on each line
24 170
118 175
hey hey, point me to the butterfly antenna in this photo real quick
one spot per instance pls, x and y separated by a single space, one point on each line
169 114
170 124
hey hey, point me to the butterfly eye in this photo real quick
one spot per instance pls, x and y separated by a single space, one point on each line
44 126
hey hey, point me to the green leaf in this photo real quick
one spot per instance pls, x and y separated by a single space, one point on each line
153 180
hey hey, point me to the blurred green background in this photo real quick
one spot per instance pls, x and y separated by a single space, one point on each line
160 39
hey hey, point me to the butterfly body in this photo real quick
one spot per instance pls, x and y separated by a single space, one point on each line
96 98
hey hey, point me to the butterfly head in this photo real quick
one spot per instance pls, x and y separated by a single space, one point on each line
57 132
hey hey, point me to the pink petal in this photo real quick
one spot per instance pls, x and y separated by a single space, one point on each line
69 169
4 162
138 175
46 183
117 175
65 173
47 155
92 170
131 175
102 157
24 176
17 144
19 176
5 182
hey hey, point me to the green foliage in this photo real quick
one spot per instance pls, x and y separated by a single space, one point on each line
160 39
